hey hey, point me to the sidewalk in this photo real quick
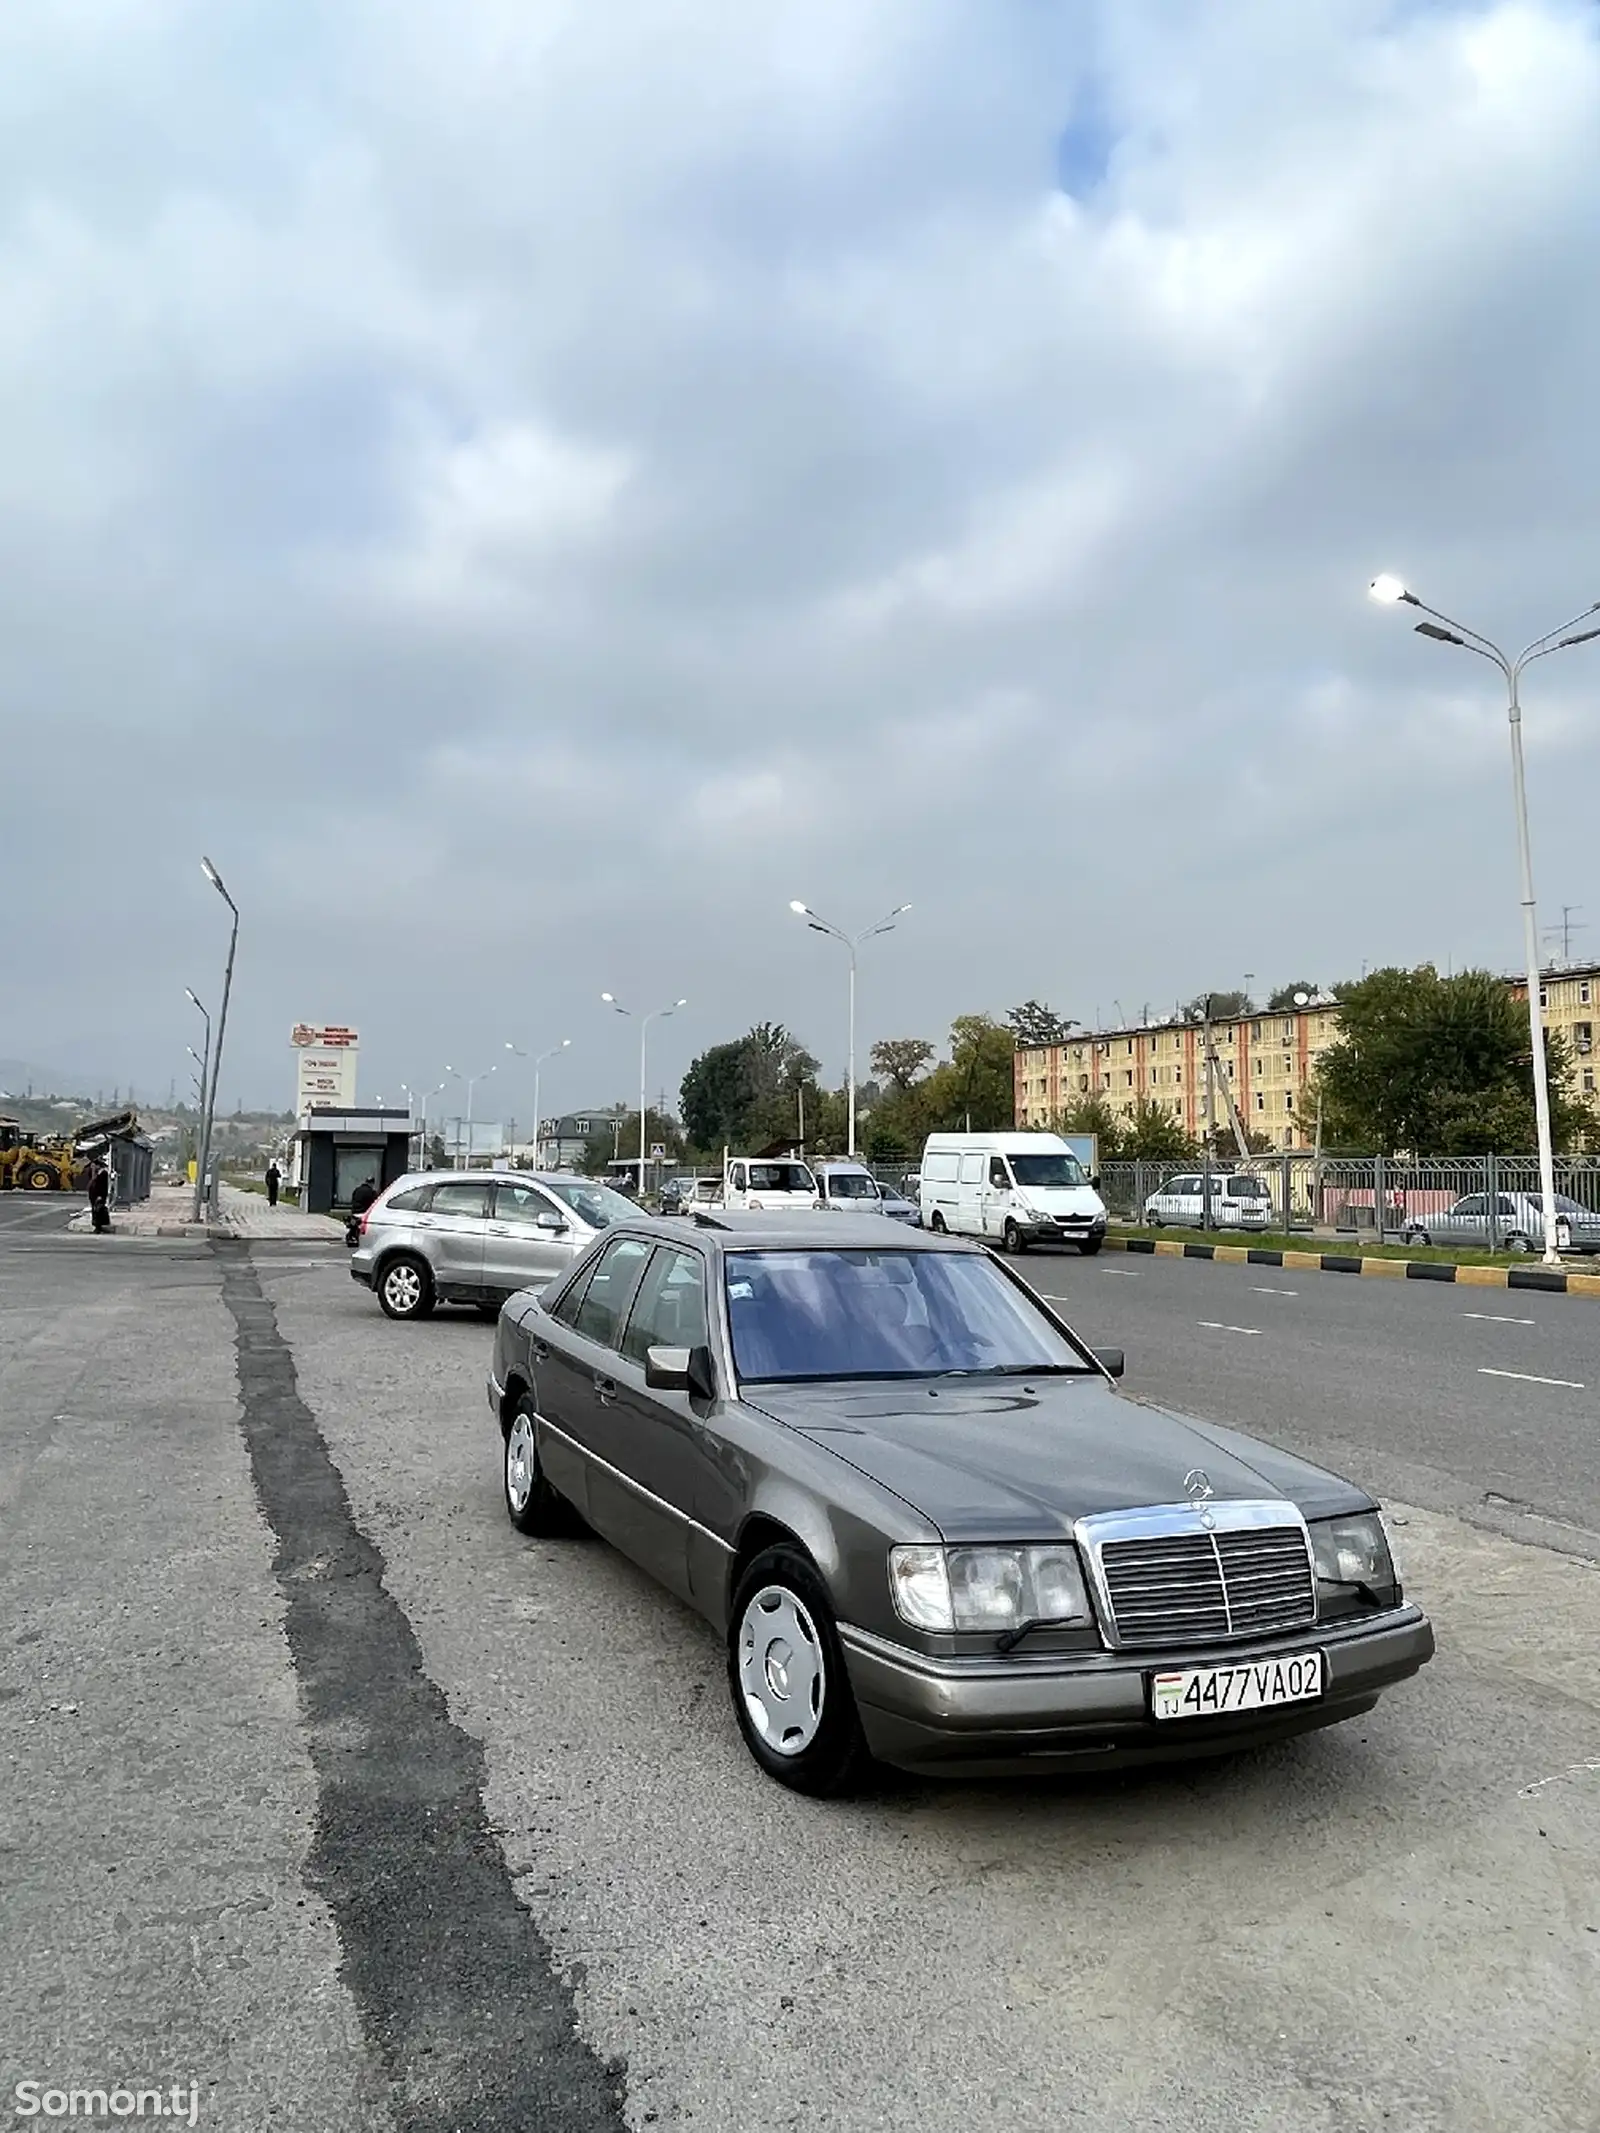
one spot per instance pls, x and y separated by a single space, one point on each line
169 1213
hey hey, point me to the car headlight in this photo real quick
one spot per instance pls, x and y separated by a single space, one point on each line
987 1588
1352 1556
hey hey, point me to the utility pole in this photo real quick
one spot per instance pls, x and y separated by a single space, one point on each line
1566 930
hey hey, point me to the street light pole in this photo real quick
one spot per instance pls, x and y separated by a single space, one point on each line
472 1083
205 1072
1389 590
215 880
538 1063
851 942
656 1014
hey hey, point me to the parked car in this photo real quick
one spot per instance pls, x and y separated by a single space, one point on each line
899 1207
1015 1189
672 1193
700 1194
1238 1201
1518 1225
472 1236
851 1187
927 1524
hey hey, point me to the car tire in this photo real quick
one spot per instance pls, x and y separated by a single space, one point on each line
786 1675
39 1179
1152 1219
405 1287
936 1224
1416 1236
1012 1241
1088 1246
532 1505
1516 1242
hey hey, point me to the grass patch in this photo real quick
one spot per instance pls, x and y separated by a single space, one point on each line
1344 1247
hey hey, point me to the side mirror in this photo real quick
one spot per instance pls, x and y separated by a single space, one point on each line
681 1370
666 1369
1094 1182
1110 1361
551 1221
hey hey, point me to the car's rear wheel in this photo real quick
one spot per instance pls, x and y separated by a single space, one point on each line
936 1224
1152 1216
532 1505
405 1288
1014 1241
1517 1242
786 1675
1088 1246
1416 1236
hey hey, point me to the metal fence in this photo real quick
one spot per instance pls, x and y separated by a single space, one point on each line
1383 1196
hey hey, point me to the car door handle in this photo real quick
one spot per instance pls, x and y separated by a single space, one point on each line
499 1229
605 1390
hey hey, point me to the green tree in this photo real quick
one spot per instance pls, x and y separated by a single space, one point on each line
1153 1135
1092 1114
713 1096
747 1092
1224 1005
901 1059
977 1082
1438 1066
1280 1001
1034 1023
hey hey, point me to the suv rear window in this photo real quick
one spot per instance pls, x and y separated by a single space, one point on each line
460 1198
409 1201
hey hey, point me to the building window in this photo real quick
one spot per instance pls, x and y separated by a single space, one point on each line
1255 1031
1288 1099
1229 1065
1588 1081
1128 1078
1258 1062
1130 1047
1083 1081
1583 992
1288 1025
1261 1100
580 1126
1544 996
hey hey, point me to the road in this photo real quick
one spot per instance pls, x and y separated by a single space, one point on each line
1483 1402
327 1791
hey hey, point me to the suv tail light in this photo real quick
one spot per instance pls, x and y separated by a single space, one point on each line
366 1217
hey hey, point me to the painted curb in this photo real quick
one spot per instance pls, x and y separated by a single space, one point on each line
1469 1277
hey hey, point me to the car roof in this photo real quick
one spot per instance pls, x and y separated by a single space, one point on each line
731 1232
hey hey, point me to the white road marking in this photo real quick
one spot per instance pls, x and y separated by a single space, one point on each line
1497 1318
1572 1770
1527 1377
1275 1292
1215 1325
1123 1273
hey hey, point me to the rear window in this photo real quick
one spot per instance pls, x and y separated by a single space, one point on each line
408 1202
1246 1189
460 1199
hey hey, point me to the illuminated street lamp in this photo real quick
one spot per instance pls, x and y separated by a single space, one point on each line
1390 591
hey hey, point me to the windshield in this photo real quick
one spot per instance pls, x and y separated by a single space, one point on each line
595 1204
798 1315
1047 1170
850 1185
780 1177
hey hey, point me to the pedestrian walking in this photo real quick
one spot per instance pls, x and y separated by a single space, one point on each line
99 1198
274 1180
363 1196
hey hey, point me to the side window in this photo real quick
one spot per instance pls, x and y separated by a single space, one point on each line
570 1302
610 1287
1476 1203
411 1201
522 1205
460 1198
972 1169
1506 1206
736 1178
998 1176
670 1308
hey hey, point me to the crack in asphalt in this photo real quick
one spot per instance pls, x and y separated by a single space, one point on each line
453 1983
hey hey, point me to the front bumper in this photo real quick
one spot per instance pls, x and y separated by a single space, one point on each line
1093 1711
1067 1231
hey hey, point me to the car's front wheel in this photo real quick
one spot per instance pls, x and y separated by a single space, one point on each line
1090 1245
405 1288
1014 1241
1517 1242
786 1674
532 1505
1416 1236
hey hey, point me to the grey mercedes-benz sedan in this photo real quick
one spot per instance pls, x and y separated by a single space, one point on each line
931 1528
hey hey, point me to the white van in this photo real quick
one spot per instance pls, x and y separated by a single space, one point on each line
760 1183
1014 1189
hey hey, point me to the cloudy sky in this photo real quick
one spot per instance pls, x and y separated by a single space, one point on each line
531 486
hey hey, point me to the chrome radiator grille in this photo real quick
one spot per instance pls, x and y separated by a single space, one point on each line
1200 1587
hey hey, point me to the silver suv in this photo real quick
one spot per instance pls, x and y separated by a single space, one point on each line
476 1237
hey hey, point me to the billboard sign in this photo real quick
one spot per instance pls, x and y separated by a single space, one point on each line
325 1067
329 1037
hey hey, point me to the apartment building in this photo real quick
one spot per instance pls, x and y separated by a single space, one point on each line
1570 998
1266 1061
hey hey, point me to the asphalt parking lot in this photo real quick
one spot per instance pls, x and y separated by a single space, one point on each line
329 1792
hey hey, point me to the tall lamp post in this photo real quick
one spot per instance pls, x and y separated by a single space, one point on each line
656 1014
205 1069
1388 591
539 1061
428 1095
851 942
472 1083
216 882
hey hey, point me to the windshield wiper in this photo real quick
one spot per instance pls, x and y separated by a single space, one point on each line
1013 1637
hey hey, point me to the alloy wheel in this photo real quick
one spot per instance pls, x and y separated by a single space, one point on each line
781 1672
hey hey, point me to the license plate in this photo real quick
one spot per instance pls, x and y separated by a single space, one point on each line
1209 1691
